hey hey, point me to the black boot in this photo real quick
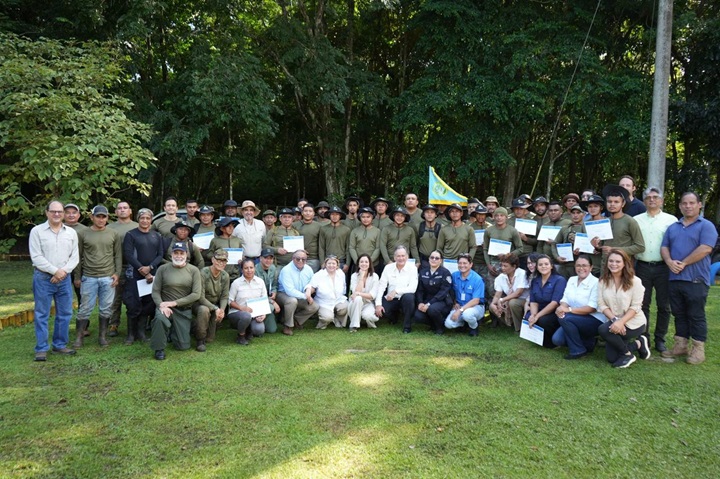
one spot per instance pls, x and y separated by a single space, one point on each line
80 327
131 331
140 328
102 340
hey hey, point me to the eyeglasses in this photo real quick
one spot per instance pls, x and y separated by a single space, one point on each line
302 260
435 257
56 212
220 260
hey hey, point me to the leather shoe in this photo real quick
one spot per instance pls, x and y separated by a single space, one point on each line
473 332
660 346
242 340
160 354
287 331
64 350
41 356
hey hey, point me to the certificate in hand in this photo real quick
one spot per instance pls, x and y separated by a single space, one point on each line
203 240
498 247
582 242
259 306
548 232
144 288
535 334
599 228
527 227
565 250
479 237
293 243
234 255
451 265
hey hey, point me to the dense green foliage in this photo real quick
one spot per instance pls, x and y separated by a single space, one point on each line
274 99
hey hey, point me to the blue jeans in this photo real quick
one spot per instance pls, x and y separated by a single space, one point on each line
44 292
471 316
92 290
580 331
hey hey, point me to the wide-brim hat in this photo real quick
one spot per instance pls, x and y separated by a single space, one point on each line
402 211
379 200
617 190
480 210
297 210
269 213
570 195
249 204
492 199
354 198
526 198
454 206
473 200
335 209
207 210
225 221
597 199
519 203
366 209
286 211
182 224
428 207
537 201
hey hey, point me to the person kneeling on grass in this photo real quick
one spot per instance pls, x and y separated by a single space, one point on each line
546 291
620 298
469 296
362 294
511 290
328 285
248 286
176 287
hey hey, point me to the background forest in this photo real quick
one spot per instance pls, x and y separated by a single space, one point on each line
277 99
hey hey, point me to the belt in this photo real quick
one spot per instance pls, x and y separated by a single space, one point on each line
651 263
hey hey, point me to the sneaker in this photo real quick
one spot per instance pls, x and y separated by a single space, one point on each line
473 332
201 347
353 330
660 346
624 361
644 349
64 350
242 340
41 356
575 356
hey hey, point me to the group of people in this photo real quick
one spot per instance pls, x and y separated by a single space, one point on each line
444 266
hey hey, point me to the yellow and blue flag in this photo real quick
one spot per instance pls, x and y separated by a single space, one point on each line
439 193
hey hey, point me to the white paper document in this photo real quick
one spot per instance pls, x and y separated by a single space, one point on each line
498 247
259 306
528 227
535 334
451 265
548 232
582 242
599 228
479 237
144 288
203 240
565 250
293 243
234 255
411 261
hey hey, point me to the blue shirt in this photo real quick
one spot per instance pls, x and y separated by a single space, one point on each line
467 289
682 240
292 281
552 291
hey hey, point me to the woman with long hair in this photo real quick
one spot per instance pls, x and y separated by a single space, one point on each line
433 293
620 298
362 294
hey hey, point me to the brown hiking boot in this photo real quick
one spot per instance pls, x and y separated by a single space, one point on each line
697 354
680 348
80 327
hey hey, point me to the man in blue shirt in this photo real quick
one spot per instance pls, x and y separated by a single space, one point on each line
469 290
686 249
291 292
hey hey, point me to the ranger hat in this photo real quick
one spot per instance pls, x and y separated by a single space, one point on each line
402 211
454 206
492 199
366 209
519 203
249 204
597 199
182 224
335 209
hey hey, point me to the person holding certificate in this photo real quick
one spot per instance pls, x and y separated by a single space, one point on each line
328 286
595 206
620 298
242 316
626 234
479 266
224 239
275 238
507 241
546 291
562 250
527 227
433 294
510 292
550 228
362 294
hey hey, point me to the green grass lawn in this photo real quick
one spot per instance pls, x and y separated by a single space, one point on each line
372 404
15 286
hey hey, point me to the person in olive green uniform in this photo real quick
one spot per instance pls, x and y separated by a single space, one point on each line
381 206
274 240
206 224
521 211
321 213
100 251
399 232
267 272
191 210
334 239
310 230
183 233
502 231
568 201
627 235
365 238
566 266
269 218
176 287
165 224
352 206
539 209
210 310
72 220
224 239
554 218
472 204
441 218
411 206
594 205
123 224
481 223
457 237
428 232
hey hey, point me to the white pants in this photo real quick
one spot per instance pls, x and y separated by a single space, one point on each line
337 315
359 308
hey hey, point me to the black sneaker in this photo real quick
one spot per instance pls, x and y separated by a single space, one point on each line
473 332
644 349
624 361
160 354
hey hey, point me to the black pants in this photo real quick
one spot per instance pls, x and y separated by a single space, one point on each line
655 275
435 315
687 300
405 303
136 306
617 346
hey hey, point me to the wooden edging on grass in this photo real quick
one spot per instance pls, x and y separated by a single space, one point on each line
21 319
14 257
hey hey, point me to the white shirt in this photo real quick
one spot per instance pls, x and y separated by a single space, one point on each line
370 284
252 236
653 229
583 294
401 281
328 293
502 283
50 251
241 290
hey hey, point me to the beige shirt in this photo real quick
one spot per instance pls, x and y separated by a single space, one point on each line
241 290
620 301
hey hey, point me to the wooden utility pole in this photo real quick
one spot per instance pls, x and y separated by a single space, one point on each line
661 91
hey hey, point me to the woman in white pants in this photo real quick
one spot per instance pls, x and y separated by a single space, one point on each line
328 285
362 294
